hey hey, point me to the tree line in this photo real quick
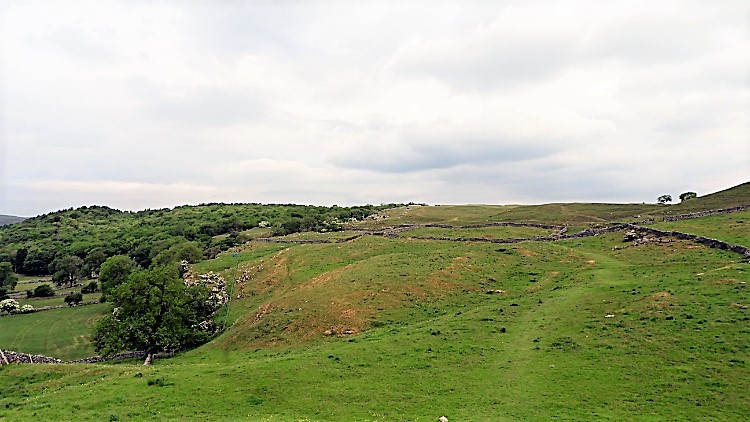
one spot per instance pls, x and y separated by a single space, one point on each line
72 244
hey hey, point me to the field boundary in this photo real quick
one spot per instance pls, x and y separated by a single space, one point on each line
707 213
9 357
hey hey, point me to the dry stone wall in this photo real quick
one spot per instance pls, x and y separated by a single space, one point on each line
8 357
707 213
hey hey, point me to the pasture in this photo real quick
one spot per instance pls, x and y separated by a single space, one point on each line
382 329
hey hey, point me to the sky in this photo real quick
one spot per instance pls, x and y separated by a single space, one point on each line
149 104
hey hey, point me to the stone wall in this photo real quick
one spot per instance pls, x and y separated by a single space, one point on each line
712 243
706 213
8 357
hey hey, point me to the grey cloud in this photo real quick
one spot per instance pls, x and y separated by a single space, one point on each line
420 152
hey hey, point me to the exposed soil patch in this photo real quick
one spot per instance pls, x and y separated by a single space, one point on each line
526 252
724 281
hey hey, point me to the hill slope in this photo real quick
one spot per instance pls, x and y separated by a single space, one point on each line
399 328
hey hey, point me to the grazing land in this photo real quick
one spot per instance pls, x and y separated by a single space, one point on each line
398 328
62 333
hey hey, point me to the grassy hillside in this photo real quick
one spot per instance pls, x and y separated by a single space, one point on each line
732 197
382 329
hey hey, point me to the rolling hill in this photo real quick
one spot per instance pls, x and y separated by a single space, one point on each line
392 321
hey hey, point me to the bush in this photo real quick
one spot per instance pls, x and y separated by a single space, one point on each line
9 305
27 309
73 299
44 290
92 287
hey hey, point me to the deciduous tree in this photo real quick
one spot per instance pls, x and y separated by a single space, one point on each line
7 278
687 195
115 271
664 199
153 311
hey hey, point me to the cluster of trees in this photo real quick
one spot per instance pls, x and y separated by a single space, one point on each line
663 199
72 244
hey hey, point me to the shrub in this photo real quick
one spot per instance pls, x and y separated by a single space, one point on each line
73 299
9 305
44 290
92 287
27 309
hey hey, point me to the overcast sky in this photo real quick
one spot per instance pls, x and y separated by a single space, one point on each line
141 104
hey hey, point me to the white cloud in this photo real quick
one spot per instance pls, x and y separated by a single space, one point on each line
147 104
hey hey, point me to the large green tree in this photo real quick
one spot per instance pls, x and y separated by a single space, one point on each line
115 271
7 278
66 269
154 311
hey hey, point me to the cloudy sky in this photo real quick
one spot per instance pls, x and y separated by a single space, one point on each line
140 104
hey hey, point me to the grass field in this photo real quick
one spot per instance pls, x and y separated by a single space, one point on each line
732 228
61 333
382 329
56 300
501 232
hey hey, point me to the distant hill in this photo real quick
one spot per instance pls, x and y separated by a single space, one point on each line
10 219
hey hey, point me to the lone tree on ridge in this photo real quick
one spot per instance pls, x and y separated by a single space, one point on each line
664 199
687 195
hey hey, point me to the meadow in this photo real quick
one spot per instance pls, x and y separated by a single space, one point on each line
383 329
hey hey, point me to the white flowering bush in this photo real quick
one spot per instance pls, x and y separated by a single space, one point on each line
9 305
27 309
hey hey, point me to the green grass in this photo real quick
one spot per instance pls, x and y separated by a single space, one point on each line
732 228
56 300
22 287
501 232
329 236
585 329
61 333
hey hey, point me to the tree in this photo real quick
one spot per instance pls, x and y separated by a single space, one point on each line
664 199
687 195
38 261
187 251
93 262
66 269
154 311
19 260
7 278
115 271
